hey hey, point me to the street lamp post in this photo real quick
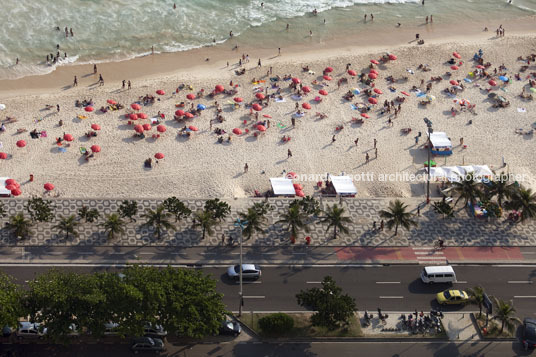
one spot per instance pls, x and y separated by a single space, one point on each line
240 223
429 147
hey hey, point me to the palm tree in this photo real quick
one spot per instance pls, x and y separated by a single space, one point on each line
67 225
444 209
468 189
295 218
255 221
204 219
333 216
501 188
19 226
158 220
113 225
504 314
524 200
477 297
396 215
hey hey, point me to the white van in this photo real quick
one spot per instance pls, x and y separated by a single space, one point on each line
438 274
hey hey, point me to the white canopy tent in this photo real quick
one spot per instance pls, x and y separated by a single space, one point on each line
282 186
343 185
4 192
440 140
455 173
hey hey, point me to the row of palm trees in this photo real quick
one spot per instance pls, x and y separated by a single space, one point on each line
296 219
504 311
507 194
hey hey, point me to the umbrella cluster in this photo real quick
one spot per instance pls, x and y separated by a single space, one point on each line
13 186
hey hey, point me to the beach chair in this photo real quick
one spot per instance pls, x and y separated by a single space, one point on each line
83 150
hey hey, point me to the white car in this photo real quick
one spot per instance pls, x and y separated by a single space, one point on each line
30 330
249 271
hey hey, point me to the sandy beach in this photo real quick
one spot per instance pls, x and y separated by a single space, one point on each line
198 166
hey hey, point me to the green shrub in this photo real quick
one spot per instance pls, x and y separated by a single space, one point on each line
276 323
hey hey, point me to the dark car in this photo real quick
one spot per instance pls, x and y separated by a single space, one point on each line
147 344
529 332
230 327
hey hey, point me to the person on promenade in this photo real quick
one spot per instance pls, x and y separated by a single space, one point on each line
75 82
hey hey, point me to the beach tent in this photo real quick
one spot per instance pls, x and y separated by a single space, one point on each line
4 192
441 144
343 185
456 173
282 186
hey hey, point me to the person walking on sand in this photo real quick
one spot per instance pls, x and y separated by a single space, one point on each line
375 142
461 141
289 154
123 84
129 85
279 51
333 139
58 107
356 141
94 69
367 158
75 82
365 17
246 168
101 80
371 17
259 63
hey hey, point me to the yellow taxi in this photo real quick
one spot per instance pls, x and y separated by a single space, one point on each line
452 297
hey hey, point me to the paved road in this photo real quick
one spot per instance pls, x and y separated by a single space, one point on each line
393 288
383 349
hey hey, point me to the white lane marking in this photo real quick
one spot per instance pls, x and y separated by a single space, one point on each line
423 253
145 253
519 282
270 253
525 297
423 248
391 297
528 253
299 253
248 282
203 253
254 297
235 253
461 282
313 282
87 253
388 282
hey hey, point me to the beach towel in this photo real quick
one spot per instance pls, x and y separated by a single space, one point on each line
62 149
296 97
409 70
83 150
354 107
1 145
274 79
280 100
420 94
287 79
267 116
80 116
405 93
522 110
44 134
467 80
296 115
281 125
392 89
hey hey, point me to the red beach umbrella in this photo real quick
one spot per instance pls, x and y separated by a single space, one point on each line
159 155
298 186
237 131
259 96
365 115
21 143
142 116
3 155
323 92
292 175
48 186
480 66
327 78
454 68
377 91
374 61
111 101
256 107
135 106
10 182
373 100
300 193
95 148
133 116
160 92
306 106
193 128
16 192
219 88
238 100
372 75
95 126
492 83
147 126
306 89
161 128
179 113
68 137
352 72
190 96
392 57
328 70
11 187
88 109
457 55
189 115
296 80
453 82
374 71
261 128
138 129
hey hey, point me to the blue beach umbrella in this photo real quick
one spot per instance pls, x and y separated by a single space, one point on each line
201 107
503 78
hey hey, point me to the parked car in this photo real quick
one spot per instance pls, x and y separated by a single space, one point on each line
147 344
452 297
154 331
249 271
529 332
230 327
7 331
110 329
30 330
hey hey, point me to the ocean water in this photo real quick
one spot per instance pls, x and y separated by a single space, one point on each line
113 30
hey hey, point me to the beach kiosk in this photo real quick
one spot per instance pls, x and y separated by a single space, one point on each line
344 186
441 144
282 186
4 192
